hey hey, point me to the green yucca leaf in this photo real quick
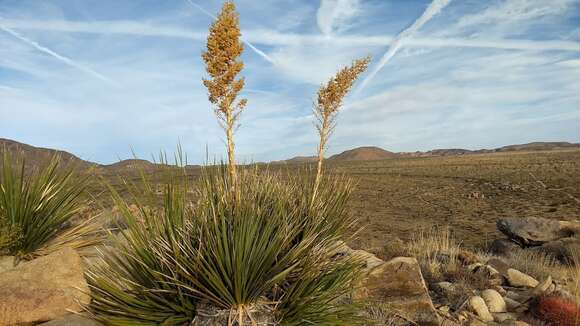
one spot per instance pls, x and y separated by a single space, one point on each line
37 206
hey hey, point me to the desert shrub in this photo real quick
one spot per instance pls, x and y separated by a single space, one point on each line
267 251
36 208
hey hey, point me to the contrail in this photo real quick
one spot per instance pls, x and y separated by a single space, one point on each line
434 8
62 58
250 45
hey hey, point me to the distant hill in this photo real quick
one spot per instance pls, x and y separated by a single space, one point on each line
367 153
130 164
37 156
298 160
537 146
448 151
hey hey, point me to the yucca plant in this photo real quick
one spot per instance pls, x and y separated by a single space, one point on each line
245 247
36 208
266 257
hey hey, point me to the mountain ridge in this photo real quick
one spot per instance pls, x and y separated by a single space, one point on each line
39 155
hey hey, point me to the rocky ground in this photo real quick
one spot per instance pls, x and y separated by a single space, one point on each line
438 283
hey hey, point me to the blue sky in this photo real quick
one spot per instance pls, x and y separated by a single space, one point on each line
99 77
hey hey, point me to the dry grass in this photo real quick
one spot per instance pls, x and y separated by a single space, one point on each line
436 250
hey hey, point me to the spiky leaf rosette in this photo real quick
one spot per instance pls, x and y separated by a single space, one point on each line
36 207
269 251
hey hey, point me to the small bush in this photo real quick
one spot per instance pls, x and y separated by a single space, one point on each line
36 208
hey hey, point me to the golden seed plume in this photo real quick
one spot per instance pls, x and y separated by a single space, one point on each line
330 99
223 64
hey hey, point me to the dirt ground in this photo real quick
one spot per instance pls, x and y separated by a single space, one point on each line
397 198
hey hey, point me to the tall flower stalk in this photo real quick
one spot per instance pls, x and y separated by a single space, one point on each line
330 99
223 64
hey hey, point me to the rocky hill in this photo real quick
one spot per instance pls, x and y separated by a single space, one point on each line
37 156
367 153
538 146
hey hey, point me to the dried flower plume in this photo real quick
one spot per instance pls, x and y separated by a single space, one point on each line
330 99
223 64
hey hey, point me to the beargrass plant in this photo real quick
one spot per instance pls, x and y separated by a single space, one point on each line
36 208
268 257
244 247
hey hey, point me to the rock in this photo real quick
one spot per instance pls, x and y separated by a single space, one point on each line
445 288
72 320
511 304
462 316
563 250
494 301
477 305
542 287
521 323
399 284
499 265
502 317
44 289
519 279
477 322
499 290
6 263
517 296
534 231
370 260
504 247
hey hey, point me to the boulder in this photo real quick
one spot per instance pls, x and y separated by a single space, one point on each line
43 289
535 231
399 284
493 301
563 249
371 261
519 279
72 320
477 305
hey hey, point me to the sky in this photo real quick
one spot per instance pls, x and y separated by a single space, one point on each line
105 78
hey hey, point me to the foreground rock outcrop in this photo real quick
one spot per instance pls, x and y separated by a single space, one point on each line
43 289
399 285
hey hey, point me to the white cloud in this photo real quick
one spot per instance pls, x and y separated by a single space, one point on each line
510 18
432 10
515 11
335 14
59 57
274 38
571 63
